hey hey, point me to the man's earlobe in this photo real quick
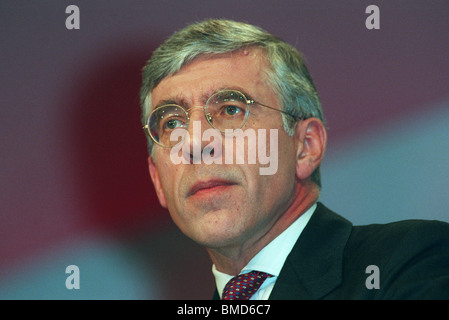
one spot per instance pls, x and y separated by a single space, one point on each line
311 139
156 182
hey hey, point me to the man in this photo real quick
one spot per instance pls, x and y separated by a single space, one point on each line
206 92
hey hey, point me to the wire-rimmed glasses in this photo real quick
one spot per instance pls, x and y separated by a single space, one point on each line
225 110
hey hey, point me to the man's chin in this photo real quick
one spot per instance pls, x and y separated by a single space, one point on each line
217 230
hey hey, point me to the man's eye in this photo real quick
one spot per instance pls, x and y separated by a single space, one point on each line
172 124
231 110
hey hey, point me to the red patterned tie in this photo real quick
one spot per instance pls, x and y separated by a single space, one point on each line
243 286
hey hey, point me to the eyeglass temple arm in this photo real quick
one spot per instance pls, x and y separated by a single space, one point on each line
284 112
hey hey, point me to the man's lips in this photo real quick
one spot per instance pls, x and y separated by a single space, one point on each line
208 184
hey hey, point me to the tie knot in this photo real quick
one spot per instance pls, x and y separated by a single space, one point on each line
243 286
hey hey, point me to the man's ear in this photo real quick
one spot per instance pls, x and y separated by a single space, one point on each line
156 182
311 139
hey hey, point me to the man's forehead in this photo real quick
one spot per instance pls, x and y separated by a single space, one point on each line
183 100
209 73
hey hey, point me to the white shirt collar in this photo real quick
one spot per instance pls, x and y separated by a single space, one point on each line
272 257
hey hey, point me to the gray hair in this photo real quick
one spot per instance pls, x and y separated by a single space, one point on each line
287 74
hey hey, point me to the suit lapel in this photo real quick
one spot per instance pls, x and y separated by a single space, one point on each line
314 266
216 296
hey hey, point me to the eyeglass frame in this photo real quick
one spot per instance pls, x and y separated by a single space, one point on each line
249 102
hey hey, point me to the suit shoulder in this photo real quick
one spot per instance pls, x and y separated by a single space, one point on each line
416 231
412 256
406 237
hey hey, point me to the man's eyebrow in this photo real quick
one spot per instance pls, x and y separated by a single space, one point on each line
235 88
181 102
165 102
174 100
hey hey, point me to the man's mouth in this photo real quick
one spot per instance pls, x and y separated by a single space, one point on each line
209 186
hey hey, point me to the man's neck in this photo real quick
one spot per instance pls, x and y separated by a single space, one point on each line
232 259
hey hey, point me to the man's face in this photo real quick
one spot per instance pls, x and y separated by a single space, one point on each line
222 205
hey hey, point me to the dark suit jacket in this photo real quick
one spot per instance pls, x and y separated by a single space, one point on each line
330 258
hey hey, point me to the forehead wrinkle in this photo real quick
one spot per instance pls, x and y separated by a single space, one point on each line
177 99
227 87
184 102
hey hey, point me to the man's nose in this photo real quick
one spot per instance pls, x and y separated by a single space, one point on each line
194 146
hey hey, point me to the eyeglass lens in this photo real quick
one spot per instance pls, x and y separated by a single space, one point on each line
224 110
